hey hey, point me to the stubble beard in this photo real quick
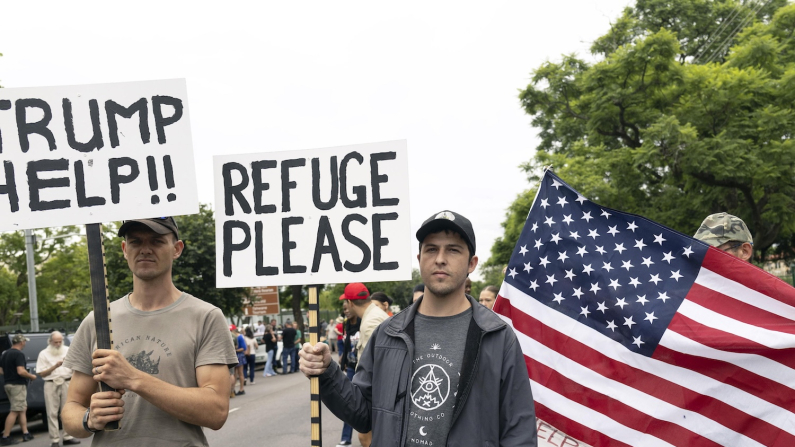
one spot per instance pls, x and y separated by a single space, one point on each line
443 290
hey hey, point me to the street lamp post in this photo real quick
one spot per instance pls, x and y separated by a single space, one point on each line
32 300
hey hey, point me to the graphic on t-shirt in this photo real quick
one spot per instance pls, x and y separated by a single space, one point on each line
143 362
432 388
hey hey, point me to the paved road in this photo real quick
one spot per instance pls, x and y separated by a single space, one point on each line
273 412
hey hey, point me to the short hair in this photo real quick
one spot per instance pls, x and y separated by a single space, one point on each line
359 303
419 288
382 297
49 338
492 289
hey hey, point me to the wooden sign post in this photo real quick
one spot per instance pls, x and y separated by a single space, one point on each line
99 297
314 382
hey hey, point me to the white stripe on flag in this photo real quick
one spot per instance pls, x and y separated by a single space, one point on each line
721 284
642 402
756 364
593 419
710 318
683 377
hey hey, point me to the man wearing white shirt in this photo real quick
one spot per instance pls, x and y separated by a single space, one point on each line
56 384
260 331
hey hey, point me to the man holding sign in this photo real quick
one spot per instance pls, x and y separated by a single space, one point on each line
448 371
170 360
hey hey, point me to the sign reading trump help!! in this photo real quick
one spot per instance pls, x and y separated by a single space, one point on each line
315 216
95 153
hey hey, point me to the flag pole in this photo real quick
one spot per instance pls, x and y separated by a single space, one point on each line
314 382
99 297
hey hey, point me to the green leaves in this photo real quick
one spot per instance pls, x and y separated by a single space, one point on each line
649 131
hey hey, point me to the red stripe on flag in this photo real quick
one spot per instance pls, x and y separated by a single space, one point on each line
748 275
728 342
652 385
738 310
614 409
576 430
751 383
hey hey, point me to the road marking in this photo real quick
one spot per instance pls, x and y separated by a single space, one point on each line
234 409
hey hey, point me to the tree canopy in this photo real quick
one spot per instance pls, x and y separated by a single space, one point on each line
687 111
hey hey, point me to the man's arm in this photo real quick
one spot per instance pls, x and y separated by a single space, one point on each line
206 405
105 406
517 412
48 371
24 373
347 401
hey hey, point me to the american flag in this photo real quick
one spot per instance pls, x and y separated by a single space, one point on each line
637 335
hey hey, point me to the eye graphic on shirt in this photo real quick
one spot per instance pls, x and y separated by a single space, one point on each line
430 387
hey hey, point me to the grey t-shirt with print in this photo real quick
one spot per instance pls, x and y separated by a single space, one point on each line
169 344
439 344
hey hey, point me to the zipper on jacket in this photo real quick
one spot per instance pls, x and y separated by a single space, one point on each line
405 424
459 409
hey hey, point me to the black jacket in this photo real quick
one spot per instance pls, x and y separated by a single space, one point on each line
494 409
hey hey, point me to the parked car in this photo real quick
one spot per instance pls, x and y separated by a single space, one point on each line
36 406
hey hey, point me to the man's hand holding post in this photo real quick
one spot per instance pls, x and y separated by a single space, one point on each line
314 359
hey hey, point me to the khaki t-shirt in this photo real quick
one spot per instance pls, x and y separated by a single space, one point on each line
168 343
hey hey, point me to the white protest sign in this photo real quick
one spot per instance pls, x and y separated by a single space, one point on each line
95 153
315 216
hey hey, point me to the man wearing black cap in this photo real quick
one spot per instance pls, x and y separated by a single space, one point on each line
170 359
449 371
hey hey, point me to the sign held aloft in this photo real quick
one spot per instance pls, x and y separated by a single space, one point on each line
95 153
315 216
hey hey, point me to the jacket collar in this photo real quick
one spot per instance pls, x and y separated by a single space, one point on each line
485 319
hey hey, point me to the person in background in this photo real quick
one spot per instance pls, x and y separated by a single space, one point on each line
298 335
260 330
727 233
274 325
56 385
383 301
270 347
288 348
251 354
419 289
468 287
331 335
371 316
488 296
241 360
323 326
12 366
350 335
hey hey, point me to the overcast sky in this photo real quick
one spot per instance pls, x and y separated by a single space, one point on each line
273 76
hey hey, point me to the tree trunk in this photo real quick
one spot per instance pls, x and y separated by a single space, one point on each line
299 318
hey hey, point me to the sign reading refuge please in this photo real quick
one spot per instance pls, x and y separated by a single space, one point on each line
315 216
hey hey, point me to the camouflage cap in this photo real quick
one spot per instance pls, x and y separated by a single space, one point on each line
719 228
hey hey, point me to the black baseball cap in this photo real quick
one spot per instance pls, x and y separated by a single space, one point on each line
160 225
448 220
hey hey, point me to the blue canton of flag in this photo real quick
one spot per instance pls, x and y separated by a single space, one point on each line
621 274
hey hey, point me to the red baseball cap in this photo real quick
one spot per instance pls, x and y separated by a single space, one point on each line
342 297
356 291
232 327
